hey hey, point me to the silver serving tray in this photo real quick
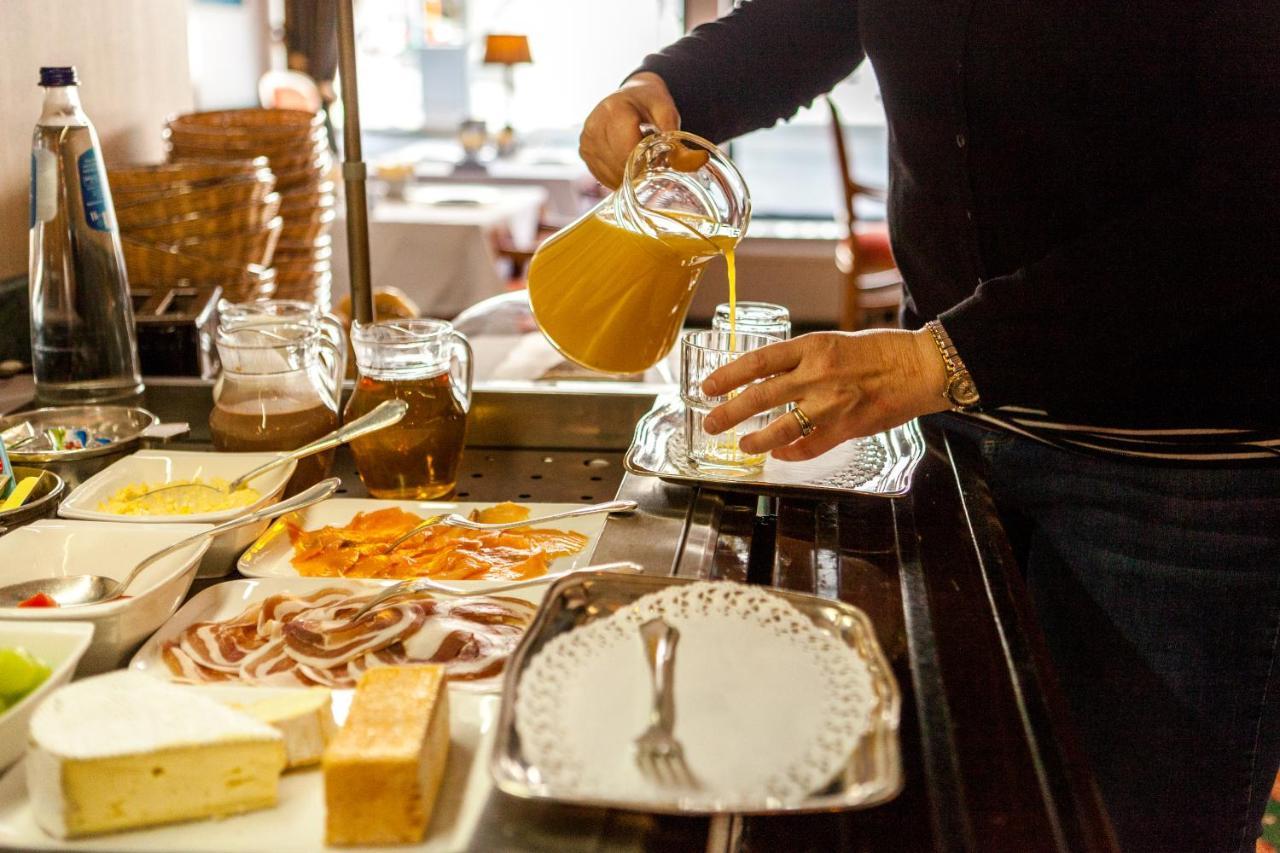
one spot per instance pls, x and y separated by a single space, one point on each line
879 465
873 774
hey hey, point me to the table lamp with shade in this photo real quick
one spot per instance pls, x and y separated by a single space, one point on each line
508 51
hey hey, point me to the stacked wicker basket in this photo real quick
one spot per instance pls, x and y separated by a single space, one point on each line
199 222
296 147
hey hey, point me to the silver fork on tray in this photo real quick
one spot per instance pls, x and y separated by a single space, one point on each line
659 755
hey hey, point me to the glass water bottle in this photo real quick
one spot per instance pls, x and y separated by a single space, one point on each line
83 343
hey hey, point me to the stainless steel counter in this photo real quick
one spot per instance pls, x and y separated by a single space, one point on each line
988 754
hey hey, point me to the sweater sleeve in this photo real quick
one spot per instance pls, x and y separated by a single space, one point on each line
758 64
1183 291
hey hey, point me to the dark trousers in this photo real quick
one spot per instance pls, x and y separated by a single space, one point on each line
1158 589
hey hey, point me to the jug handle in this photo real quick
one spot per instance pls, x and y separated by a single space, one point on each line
333 345
337 333
463 355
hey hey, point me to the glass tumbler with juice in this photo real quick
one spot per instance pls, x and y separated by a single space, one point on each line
611 290
429 366
702 352
278 390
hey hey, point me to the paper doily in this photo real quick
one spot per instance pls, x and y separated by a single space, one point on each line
769 707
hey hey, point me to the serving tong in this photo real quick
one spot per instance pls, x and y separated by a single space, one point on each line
456 520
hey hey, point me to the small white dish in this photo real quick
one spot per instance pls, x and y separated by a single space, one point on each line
271 555
56 548
58 645
168 466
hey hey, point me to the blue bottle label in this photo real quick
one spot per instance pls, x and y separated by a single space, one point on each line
93 191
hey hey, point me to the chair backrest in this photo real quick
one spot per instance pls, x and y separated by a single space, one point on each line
848 187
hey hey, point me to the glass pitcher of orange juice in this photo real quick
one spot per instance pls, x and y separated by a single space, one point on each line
610 291
429 366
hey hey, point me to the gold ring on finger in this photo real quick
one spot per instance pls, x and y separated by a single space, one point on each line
807 426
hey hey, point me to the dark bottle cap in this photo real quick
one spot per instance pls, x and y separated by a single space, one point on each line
58 75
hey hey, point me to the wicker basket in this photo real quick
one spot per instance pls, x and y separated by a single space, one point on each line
158 209
210 223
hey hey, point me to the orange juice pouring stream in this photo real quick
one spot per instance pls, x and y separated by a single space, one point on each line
611 290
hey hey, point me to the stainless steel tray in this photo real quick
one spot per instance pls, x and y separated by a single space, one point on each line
872 775
879 465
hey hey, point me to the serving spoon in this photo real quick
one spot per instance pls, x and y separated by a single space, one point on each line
383 415
456 520
77 590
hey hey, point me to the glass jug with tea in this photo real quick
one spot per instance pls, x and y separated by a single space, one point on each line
429 365
279 389
610 291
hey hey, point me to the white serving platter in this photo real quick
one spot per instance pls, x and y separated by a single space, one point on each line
270 556
231 598
296 824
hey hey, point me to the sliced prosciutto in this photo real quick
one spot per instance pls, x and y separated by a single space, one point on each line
289 640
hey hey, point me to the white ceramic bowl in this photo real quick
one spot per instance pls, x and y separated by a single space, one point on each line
167 466
55 548
59 645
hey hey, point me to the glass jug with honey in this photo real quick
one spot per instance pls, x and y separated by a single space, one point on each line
610 291
429 365
279 389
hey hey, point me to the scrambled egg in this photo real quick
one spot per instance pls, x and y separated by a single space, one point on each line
137 498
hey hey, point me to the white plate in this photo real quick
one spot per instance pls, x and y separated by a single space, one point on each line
59 646
297 823
167 466
53 547
227 600
269 557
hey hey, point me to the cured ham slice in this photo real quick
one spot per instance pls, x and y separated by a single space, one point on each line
290 640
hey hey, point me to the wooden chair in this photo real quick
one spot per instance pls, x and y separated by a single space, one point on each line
872 291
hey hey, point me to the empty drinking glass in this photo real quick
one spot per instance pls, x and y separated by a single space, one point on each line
763 318
702 353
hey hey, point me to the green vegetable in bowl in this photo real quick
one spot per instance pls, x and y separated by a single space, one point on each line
20 673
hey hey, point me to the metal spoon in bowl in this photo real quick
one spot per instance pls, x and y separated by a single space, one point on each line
381 416
76 590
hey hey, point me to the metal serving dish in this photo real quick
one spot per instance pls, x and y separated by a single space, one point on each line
127 426
42 503
872 775
879 465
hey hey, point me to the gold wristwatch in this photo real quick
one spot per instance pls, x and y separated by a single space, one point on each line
960 391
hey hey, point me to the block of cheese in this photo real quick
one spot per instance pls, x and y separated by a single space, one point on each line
383 771
125 750
304 717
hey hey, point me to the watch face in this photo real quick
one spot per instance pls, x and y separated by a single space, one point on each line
962 391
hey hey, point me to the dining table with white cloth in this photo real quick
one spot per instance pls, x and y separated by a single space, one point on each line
437 242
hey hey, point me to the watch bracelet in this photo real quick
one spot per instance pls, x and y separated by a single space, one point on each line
954 364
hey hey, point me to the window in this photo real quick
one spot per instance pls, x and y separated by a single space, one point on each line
421 68
421 71
792 168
